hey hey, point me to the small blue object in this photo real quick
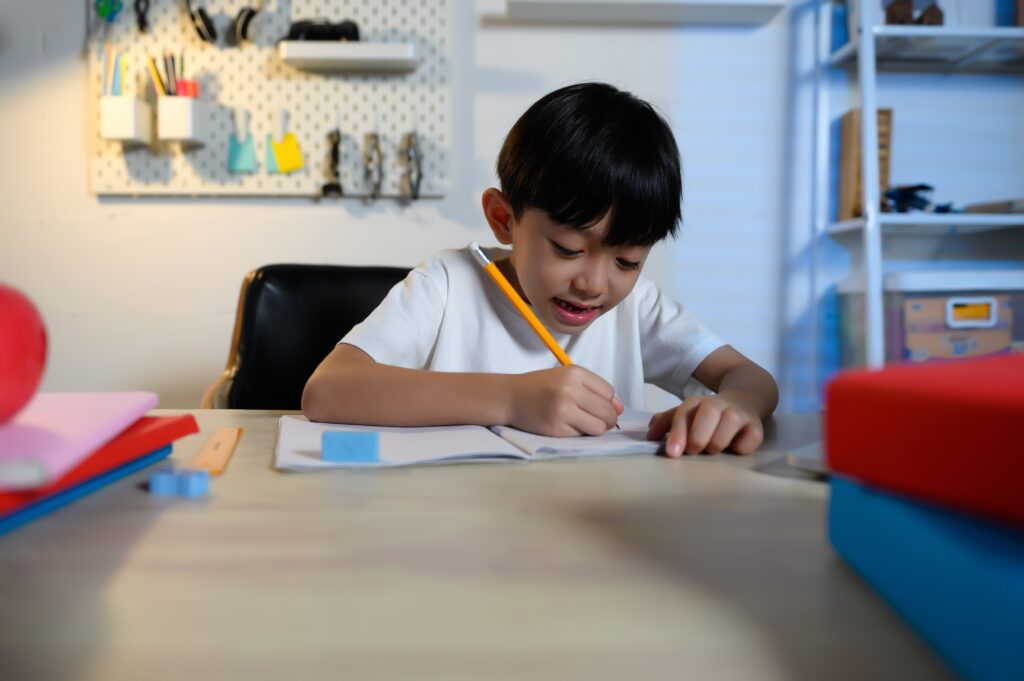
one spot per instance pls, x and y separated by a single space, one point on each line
351 447
242 155
193 483
185 482
163 482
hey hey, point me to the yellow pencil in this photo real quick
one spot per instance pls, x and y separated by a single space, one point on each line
520 304
158 84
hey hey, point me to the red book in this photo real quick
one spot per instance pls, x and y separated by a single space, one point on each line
144 442
950 432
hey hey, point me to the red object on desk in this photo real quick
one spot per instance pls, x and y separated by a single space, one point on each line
950 433
22 351
147 434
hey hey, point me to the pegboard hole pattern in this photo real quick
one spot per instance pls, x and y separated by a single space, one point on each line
253 78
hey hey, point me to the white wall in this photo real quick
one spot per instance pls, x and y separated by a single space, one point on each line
141 294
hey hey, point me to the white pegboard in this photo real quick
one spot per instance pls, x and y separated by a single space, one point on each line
254 78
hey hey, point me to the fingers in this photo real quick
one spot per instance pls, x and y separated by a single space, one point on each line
705 425
600 399
595 383
679 424
749 439
599 408
729 424
660 424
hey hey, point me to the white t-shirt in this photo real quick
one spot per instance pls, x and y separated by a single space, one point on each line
447 315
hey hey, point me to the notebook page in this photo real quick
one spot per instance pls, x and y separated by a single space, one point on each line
631 439
299 442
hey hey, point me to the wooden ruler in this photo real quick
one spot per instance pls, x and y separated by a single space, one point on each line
217 450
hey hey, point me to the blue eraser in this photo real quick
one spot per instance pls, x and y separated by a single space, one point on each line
182 482
351 447
193 482
163 482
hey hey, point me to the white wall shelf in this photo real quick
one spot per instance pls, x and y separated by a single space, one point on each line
940 48
659 12
931 224
873 48
349 57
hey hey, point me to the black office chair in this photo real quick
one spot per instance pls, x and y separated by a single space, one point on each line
289 318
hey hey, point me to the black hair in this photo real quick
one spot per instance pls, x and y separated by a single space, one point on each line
588 148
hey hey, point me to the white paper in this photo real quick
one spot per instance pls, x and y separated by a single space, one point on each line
630 438
299 445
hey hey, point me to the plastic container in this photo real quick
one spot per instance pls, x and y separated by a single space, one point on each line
181 119
126 119
937 315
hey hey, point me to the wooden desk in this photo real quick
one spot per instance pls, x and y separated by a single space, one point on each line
627 568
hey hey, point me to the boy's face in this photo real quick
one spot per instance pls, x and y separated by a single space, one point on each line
567 275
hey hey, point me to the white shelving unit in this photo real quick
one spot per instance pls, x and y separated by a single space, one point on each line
896 48
742 12
940 48
931 224
348 57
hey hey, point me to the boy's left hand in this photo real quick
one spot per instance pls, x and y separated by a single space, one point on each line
708 423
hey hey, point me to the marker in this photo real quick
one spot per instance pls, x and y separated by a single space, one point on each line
524 309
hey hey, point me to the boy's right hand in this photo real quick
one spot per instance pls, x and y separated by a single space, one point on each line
562 402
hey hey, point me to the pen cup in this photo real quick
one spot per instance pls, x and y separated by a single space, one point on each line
181 119
126 119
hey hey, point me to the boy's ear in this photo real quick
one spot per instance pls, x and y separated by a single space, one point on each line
498 212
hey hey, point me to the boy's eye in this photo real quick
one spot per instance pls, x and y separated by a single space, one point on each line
562 250
628 264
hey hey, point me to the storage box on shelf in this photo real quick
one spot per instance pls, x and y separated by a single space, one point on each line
870 48
937 315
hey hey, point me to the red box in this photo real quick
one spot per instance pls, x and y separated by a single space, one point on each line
948 432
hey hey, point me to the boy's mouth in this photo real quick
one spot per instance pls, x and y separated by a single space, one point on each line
573 314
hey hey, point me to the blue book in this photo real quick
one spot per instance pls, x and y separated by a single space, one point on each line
957 580
66 496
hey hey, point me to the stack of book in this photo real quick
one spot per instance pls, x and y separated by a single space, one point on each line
927 501
65 445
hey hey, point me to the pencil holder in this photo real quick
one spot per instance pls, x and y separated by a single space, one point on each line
181 119
126 119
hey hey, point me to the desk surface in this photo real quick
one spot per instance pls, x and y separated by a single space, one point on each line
635 567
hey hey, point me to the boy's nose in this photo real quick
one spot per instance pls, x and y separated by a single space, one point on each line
591 281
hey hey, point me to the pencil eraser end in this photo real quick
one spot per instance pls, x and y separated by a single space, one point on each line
351 447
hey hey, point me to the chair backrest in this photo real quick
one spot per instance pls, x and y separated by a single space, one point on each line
291 318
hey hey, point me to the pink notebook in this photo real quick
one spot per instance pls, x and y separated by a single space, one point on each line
57 430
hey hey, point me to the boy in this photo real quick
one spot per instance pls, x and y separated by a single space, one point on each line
590 181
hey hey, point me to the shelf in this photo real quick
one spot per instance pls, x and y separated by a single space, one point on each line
932 224
348 57
738 12
941 49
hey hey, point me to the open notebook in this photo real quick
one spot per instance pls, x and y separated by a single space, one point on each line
298 443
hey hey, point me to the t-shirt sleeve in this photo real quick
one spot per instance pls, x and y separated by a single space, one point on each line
673 342
403 330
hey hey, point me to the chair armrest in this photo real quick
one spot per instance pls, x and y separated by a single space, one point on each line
213 397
